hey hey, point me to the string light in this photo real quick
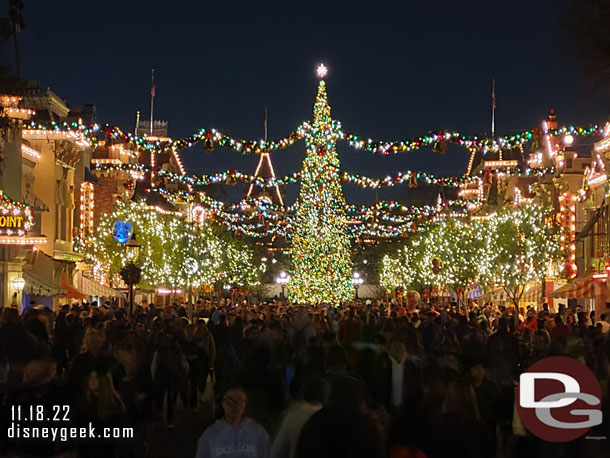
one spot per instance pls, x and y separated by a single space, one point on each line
166 240
321 266
29 153
477 251
22 240
87 204
229 176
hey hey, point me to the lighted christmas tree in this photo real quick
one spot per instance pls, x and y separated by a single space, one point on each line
321 265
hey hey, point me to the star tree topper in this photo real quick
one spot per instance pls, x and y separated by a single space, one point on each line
321 71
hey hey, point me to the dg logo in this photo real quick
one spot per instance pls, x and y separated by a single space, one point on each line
559 399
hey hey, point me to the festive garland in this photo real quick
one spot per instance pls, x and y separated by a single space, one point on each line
210 137
439 139
10 208
364 221
231 177
87 132
254 204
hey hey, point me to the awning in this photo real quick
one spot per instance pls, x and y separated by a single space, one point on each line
533 294
95 289
587 228
90 176
39 286
583 288
72 292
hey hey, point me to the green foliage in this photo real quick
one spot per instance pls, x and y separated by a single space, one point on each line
165 243
321 265
512 248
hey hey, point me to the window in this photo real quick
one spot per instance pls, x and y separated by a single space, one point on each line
601 237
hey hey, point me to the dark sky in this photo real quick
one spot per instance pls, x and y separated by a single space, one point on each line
394 71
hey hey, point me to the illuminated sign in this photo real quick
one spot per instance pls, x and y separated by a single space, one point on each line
15 217
11 222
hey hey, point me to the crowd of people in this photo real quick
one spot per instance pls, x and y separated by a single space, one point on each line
363 380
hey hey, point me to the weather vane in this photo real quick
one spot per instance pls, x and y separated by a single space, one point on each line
322 71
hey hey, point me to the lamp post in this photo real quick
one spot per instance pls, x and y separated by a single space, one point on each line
132 249
357 281
131 273
282 280
191 266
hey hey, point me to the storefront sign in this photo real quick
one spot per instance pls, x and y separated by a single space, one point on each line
15 217
11 222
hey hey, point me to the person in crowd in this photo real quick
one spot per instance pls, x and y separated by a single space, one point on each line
234 435
344 427
422 383
297 414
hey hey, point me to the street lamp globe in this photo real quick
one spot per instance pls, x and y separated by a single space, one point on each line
283 278
18 283
132 249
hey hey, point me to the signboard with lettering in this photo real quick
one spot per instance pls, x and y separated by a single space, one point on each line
16 218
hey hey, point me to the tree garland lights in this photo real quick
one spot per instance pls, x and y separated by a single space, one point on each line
511 249
166 241
321 266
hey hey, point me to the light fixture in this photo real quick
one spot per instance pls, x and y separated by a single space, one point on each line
357 281
283 278
18 283
132 248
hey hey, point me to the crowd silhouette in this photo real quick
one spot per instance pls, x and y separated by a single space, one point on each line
363 380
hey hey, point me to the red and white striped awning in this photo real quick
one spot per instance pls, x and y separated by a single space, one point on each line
583 288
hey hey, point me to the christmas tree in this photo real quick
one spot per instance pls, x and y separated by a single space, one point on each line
321 265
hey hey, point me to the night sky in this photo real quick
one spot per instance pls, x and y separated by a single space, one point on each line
394 71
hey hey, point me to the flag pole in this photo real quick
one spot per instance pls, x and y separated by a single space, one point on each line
265 124
493 113
493 107
152 99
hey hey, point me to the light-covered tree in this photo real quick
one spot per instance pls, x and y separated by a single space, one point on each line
321 265
511 249
522 244
167 246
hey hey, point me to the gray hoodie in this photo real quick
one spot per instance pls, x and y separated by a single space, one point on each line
246 440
